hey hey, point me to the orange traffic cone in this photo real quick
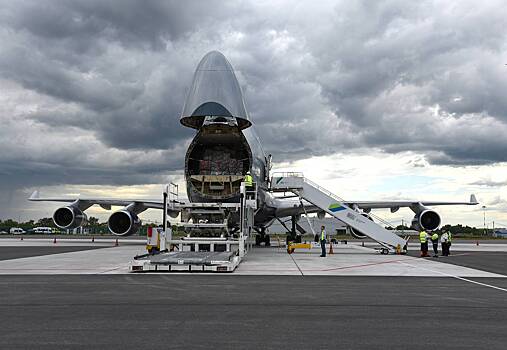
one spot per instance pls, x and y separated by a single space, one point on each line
331 248
116 244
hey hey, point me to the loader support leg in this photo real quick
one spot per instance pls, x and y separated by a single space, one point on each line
262 237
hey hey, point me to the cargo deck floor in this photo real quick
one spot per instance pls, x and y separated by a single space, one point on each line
194 258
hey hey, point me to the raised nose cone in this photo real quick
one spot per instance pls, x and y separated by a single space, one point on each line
215 91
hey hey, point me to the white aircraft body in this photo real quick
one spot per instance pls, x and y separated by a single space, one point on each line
224 149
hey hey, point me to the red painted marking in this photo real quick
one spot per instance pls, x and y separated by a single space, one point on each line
362 265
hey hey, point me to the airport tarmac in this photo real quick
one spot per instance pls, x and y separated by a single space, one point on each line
355 298
103 257
250 312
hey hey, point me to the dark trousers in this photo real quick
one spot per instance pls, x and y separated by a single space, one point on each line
424 249
435 247
323 247
445 248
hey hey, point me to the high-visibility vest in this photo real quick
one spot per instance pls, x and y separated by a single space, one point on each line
434 237
323 235
248 180
450 236
422 236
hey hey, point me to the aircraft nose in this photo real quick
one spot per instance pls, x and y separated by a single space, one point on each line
214 91
214 61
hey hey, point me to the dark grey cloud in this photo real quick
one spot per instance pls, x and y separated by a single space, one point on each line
93 89
149 25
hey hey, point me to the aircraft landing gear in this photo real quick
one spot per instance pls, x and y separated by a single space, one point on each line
292 235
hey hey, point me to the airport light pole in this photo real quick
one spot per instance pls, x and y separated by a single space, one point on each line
164 218
484 212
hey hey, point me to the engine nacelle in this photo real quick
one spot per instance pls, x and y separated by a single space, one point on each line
123 223
358 234
69 218
427 220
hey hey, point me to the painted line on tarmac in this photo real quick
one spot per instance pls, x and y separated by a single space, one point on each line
457 277
301 272
362 265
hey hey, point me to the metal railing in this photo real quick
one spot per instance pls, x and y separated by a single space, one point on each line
322 189
379 219
334 196
287 174
329 193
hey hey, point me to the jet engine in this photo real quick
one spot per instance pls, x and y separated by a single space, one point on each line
426 220
358 234
123 223
69 217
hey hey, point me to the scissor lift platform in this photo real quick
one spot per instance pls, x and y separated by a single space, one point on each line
201 250
186 262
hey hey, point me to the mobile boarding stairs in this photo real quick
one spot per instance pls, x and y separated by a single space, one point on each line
335 206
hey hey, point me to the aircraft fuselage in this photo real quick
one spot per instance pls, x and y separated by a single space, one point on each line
225 146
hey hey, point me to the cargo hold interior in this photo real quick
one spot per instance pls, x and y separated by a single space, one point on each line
216 162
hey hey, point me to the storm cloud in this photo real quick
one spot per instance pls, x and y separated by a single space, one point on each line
91 91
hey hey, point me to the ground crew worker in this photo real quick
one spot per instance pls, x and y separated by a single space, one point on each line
248 179
434 241
248 184
423 238
449 241
323 241
444 240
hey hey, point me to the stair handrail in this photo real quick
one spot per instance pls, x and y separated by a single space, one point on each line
332 195
327 192
380 219
322 189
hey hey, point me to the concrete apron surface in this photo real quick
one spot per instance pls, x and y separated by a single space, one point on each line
347 260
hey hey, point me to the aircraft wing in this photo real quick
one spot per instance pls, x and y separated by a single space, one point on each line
394 205
294 207
103 202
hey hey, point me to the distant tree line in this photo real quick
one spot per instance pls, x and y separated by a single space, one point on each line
96 227
458 229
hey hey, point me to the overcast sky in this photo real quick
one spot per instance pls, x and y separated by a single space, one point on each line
373 99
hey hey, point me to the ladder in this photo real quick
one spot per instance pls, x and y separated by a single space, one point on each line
336 207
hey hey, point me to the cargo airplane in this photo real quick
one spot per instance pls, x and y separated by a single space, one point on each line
224 148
